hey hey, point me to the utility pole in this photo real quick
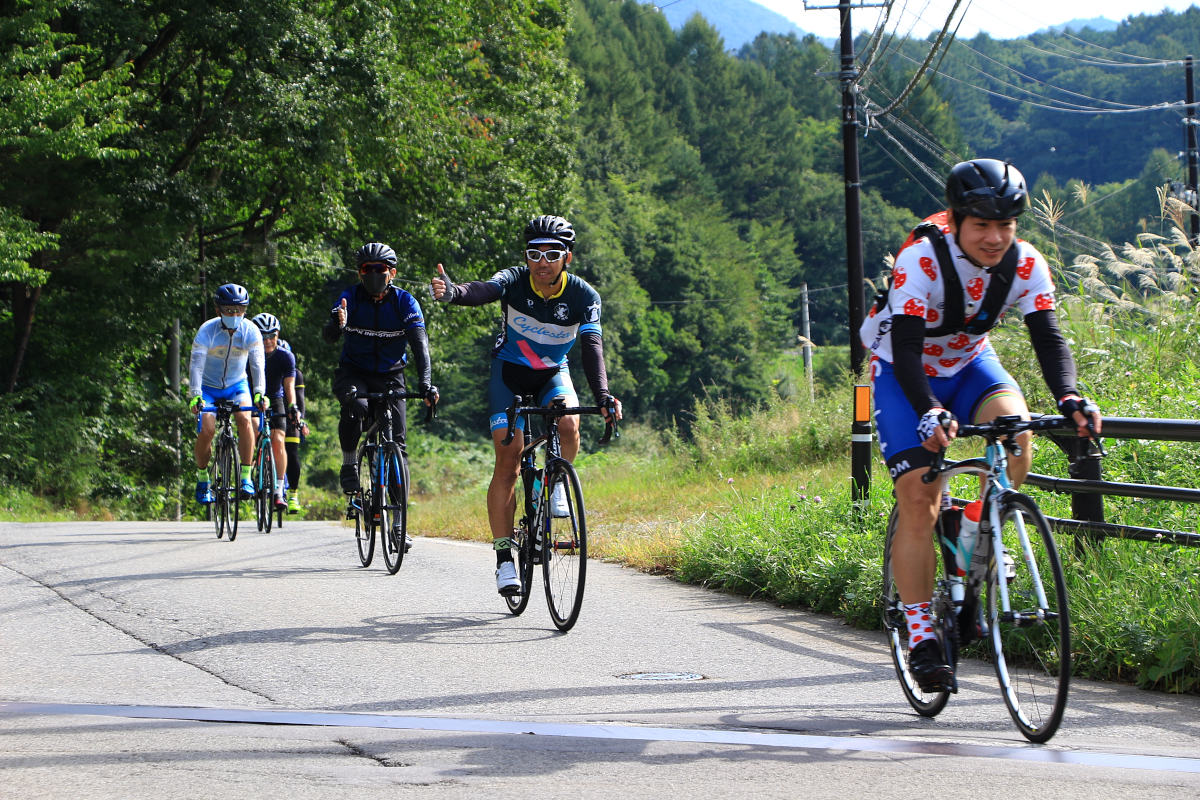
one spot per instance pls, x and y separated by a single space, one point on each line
860 430
806 335
1190 123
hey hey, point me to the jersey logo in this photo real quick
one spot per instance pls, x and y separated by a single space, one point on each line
592 313
1026 268
561 312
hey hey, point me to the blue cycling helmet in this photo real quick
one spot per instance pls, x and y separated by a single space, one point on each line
267 323
231 294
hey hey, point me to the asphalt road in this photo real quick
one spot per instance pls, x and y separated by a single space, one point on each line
143 659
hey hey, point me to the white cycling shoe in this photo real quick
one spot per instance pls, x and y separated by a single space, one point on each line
558 502
506 579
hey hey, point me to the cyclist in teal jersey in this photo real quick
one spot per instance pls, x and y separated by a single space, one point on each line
545 310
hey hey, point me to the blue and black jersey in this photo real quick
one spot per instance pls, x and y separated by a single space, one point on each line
376 334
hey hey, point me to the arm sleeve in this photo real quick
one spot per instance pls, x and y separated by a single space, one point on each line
258 372
908 339
419 343
300 391
476 293
196 366
332 330
592 352
1053 353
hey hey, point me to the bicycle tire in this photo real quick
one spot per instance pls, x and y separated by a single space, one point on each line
395 478
264 485
522 550
214 509
364 524
1031 647
927 704
234 495
564 548
227 493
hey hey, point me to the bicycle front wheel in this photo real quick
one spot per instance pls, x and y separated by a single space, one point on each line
233 496
522 548
225 494
264 483
1031 637
564 546
364 520
927 704
395 473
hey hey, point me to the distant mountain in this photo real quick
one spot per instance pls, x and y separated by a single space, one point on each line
1076 25
738 21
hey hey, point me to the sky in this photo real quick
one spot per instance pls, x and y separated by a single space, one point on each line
1000 20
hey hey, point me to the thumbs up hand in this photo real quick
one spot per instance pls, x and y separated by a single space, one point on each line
339 311
441 286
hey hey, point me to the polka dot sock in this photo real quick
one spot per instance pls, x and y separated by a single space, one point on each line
920 623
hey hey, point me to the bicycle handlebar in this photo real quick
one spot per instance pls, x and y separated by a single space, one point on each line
516 410
1008 426
394 394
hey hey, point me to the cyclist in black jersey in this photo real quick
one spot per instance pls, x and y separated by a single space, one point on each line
280 367
294 436
545 310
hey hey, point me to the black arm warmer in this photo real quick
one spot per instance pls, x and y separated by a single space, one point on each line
475 293
300 391
908 342
1053 354
418 342
592 352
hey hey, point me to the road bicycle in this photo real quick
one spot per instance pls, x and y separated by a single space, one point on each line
263 474
380 506
226 482
1014 595
558 543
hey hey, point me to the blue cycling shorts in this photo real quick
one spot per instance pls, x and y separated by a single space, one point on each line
238 392
509 380
962 394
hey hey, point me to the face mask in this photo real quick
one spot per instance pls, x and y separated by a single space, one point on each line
230 321
374 283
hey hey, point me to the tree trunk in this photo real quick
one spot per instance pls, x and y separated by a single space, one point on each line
25 301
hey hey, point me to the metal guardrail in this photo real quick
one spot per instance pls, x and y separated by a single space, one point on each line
1087 487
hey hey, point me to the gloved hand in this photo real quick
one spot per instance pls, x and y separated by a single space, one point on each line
934 420
260 400
195 403
294 414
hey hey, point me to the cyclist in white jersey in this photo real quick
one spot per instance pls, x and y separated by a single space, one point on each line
221 351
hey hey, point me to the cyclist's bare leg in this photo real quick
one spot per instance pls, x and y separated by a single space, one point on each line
280 452
914 560
1003 404
245 436
501 495
203 446
568 436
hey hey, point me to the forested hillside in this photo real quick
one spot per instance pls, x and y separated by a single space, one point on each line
149 156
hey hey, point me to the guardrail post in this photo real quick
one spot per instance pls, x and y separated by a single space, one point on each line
1085 465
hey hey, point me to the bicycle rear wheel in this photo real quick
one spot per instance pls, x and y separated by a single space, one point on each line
1031 643
522 549
564 547
395 474
264 484
364 521
927 704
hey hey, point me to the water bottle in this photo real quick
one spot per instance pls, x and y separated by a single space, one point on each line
968 534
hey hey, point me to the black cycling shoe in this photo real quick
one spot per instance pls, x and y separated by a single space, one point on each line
928 666
349 478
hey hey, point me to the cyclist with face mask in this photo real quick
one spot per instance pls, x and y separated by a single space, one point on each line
377 323
221 351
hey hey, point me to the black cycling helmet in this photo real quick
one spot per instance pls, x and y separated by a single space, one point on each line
231 294
986 188
555 229
373 252
267 323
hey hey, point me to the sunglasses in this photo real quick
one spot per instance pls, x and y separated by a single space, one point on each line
230 310
550 255
365 268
